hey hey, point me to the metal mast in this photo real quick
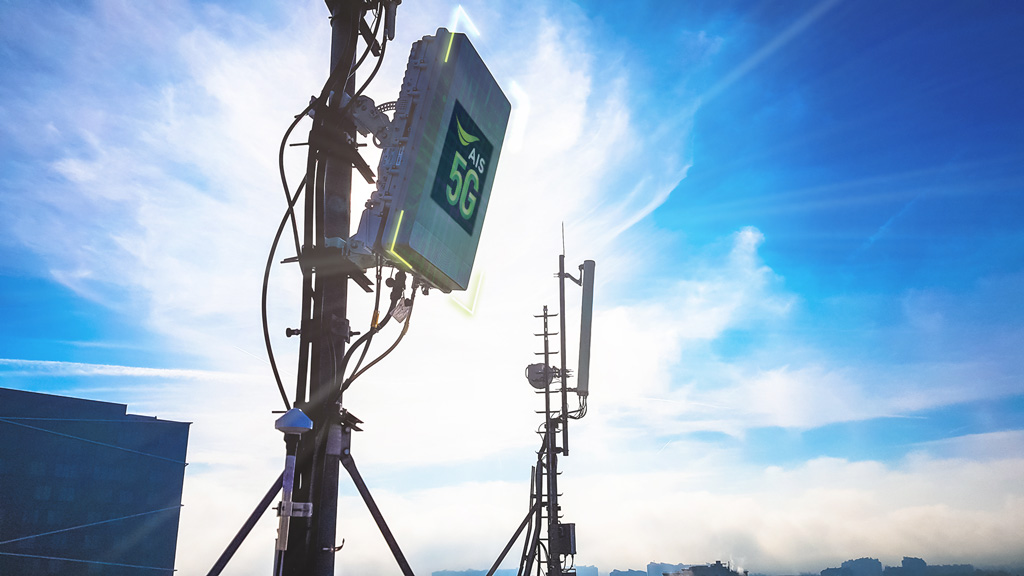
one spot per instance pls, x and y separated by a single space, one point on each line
548 540
308 526
547 484
325 327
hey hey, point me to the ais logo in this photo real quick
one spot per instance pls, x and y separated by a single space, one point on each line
462 171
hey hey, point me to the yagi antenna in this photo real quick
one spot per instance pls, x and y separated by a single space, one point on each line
586 321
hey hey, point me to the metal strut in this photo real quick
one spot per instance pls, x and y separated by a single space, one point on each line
218 567
512 541
349 423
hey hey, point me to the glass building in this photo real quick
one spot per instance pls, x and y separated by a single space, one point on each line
86 488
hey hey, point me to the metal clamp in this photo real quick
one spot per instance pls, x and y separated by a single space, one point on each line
295 509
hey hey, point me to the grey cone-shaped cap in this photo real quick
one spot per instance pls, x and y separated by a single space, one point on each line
294 421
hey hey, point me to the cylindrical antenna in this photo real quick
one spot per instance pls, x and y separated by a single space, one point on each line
586 320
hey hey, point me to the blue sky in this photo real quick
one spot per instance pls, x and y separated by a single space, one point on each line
806 223
877 151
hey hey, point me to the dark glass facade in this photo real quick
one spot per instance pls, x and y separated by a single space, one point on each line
86 488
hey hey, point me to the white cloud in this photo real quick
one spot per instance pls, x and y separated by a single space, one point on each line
767 520
800 519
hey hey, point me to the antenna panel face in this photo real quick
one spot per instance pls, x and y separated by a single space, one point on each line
437 181
586 323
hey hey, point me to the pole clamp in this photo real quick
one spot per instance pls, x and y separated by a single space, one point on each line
295 509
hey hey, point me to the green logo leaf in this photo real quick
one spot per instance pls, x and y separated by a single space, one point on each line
464 137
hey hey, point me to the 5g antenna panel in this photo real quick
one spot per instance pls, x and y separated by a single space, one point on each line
436 181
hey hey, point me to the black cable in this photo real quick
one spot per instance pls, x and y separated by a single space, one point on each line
376 317
325 92
332 79
362 355
538 483
284 179
380 60
319 104
334 361
581 411
334 76
365 340
329 85
397 292
344 109
318 107
376 26
376 298
405 329
266 284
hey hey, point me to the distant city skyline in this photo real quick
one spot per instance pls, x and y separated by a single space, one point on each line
909 566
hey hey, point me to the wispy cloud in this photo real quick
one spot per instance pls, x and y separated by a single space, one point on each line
989 446
43 368
764 52
884 228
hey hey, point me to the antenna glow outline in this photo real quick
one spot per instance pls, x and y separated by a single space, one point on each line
391 250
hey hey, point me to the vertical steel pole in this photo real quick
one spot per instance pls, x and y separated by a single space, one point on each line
554 557
324 333
333 296
554 564
561 335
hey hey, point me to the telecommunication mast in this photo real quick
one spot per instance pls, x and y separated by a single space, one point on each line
549 541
